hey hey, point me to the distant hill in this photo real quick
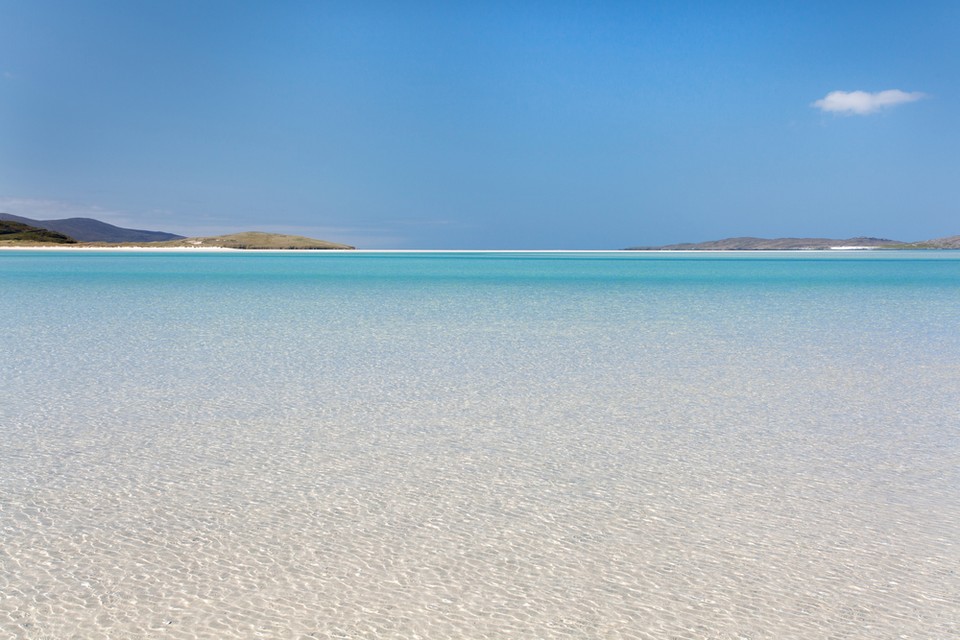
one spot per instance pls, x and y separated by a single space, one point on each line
95 233
950 242
12 232
90 230
244 240
256 240
761 244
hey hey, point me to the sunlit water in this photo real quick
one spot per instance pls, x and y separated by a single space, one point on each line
480 445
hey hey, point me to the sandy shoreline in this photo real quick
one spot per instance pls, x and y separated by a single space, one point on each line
208 249
120 249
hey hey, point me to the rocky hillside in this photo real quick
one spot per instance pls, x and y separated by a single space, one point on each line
950 242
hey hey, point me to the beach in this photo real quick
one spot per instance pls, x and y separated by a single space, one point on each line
437 445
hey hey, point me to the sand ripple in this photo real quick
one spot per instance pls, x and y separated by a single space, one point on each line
556 470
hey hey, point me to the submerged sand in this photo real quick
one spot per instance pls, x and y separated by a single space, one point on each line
427 459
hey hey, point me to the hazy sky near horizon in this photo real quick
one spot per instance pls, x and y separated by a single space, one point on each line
593 125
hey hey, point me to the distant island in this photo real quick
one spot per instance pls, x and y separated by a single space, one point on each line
810 244
88 232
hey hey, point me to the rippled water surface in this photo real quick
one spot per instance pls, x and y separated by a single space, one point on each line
479 445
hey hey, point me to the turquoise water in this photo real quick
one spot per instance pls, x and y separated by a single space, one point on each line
637 445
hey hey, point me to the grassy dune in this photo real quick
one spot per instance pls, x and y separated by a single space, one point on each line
254 240
245 240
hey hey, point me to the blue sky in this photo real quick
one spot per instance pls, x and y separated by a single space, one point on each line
593 125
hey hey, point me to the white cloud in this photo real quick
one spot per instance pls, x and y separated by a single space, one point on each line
863 102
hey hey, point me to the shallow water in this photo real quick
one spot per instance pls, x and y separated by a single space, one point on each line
480 445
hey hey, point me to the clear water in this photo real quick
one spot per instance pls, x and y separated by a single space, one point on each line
619 445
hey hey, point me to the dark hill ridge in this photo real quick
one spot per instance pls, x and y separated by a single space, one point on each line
12 232
90 230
